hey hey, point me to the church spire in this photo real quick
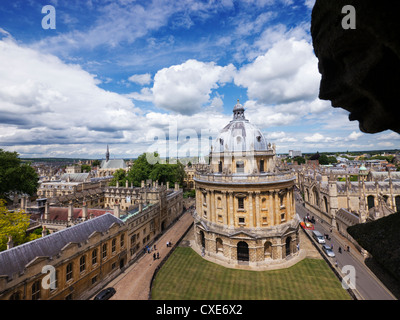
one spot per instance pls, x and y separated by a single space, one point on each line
107 154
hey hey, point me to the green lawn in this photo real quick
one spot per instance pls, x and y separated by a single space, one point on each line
186 276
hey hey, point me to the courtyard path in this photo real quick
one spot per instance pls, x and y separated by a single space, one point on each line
134 282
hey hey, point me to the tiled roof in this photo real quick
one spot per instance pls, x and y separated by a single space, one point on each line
61 213
15 259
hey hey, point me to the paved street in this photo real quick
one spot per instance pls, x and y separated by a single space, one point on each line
134 282
368 287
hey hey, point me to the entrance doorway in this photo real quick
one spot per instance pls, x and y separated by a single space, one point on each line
287 246
242 251
202 239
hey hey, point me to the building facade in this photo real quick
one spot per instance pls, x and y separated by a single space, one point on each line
245 210
87 251
81 259
340 202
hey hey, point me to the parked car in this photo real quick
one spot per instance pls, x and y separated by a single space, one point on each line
318 236
328 251
105 294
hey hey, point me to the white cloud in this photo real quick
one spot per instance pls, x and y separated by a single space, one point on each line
286 72
47 100
141 79
309 3
355 135
316 137
388 136
185 88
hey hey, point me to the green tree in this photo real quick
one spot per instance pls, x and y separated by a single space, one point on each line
299 160
12 224
86 168
140 170
95 163
148 166
15 176
315 156
168 173
120 176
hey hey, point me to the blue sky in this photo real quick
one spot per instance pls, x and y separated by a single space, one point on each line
165 75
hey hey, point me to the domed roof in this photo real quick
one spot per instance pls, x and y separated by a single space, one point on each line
239 135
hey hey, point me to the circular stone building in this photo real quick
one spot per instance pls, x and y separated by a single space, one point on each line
245 208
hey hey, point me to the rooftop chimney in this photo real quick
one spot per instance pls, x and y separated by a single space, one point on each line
70 211
84 212
116 210
44 231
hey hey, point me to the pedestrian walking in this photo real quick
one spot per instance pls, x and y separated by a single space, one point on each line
340 249
158 255
154 256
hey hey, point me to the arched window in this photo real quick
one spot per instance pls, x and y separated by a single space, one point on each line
113 245
261 165
94 256
104 251
371 202
219 246
287 246
264 204
36 290
268 249
326 205
202 239
82 263
69 272
219 202
239 167
397 202
122 241
316 197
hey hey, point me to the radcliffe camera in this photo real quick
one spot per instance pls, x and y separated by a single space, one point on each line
197 158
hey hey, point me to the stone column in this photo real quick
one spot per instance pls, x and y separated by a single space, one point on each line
212 207
230 212
251 214
224 208
257 211
276 207
208 205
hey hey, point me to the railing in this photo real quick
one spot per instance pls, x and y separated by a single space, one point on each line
244 178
